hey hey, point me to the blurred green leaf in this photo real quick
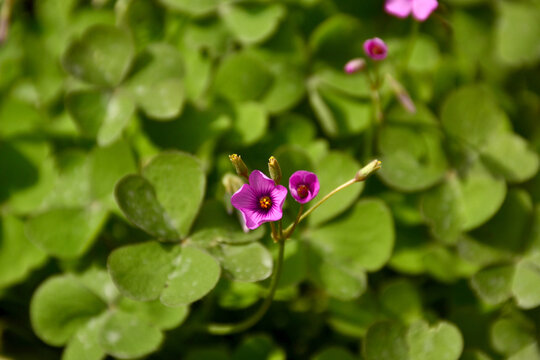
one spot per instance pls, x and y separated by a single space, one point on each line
126 336
107 165
249 263
471 115
156 83
337 40
250 124
517 32
252 22
402 300
332 353
85 342
353 318
482 194
138 201
412 154
494 284
442 211
60 307
333 170
195 274
361 240
443 341
140 271
526 276
258 347
386 341
102 56
66 232
155 313
424 55
338 280
18 256
509 223
511 156
242 77
179 183
195 8
99 114
178 276
511 333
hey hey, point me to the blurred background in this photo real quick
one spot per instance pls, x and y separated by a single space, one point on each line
440 247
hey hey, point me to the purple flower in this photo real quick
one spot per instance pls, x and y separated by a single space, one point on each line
259 201
354 65
304 186
375 48
421 9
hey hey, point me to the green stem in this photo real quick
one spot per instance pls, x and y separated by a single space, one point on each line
289 232
320 202
225 329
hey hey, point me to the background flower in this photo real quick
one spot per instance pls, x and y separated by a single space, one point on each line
421 9
375 48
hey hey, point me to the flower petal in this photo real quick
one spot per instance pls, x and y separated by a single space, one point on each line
244 198
252 218
399 8
260 183
421 9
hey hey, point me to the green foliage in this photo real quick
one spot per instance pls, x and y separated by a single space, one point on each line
116 120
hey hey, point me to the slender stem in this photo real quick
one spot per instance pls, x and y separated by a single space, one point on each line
290 231
5 16
225 329
280 229
320 202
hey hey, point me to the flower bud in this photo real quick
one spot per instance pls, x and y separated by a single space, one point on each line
274 169
239 165
376 49
355 65
231 183
367 170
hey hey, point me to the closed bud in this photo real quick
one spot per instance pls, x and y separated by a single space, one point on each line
231 183
354 65
367 170
239 165
274 169
401 94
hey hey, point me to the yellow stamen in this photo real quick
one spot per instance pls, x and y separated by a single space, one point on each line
265 202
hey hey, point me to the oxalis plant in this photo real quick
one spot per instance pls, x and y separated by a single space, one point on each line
261 201
181 268
113 246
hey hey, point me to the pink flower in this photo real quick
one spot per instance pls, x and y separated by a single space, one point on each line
375 48
354 65
259 201
304 186
421 9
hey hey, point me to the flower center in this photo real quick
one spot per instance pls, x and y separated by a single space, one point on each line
265 202
302 191
377 50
